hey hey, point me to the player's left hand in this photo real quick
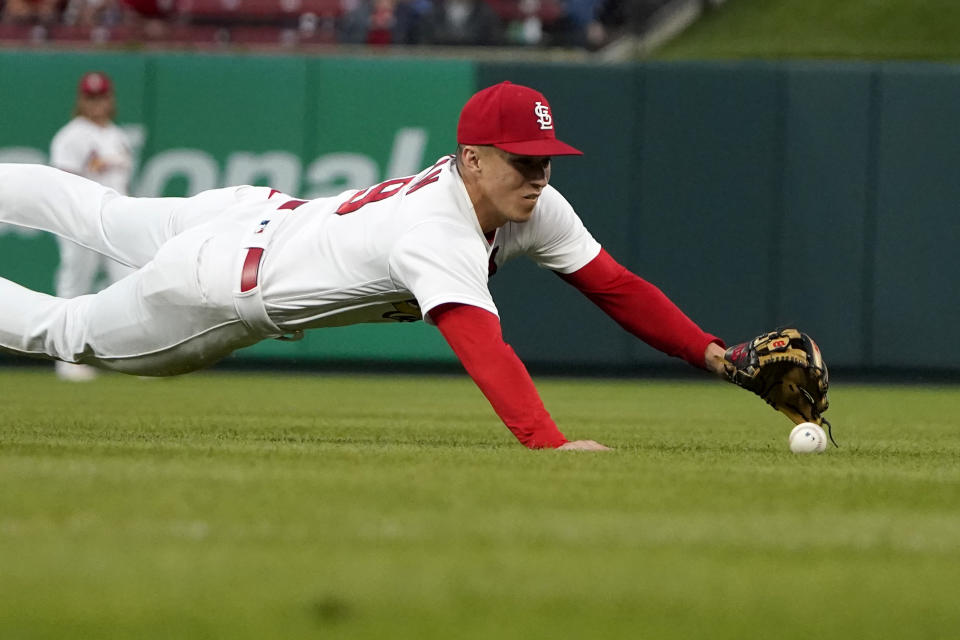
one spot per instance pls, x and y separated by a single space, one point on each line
583 445
785 368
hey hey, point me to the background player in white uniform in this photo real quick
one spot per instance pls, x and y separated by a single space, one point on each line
92 146
230 267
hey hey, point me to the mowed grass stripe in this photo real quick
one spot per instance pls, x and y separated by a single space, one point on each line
253 506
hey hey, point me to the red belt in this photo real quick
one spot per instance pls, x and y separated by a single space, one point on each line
251 263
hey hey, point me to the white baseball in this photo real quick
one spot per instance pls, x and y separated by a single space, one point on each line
808 437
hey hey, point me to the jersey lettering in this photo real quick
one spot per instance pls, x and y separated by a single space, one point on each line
430 178
375 193
389 188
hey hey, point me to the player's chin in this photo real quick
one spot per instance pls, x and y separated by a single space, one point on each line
524 209
521 216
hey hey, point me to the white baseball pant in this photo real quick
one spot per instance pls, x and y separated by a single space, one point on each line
175 314
77 272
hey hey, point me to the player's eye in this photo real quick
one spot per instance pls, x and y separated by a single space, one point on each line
526 164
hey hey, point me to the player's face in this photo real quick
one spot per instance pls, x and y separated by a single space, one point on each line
99 108
512 184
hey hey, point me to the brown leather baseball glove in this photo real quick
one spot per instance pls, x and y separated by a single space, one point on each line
785 368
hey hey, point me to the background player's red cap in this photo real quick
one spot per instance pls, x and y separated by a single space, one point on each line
95 83
514 118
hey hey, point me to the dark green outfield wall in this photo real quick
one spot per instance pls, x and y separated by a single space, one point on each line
758 194
754 194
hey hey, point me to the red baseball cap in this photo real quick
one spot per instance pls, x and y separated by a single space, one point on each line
514 118
95 83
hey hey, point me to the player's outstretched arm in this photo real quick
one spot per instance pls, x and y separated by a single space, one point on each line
475 336
645 311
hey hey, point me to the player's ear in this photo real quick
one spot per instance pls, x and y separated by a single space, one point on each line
470 158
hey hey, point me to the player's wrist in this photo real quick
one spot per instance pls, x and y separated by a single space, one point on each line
713 358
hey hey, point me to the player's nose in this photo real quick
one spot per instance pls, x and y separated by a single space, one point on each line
538 178
542 173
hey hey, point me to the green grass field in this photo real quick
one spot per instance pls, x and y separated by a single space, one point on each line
857 29
256 506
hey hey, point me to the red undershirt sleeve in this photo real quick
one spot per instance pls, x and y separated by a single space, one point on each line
475 336
641 308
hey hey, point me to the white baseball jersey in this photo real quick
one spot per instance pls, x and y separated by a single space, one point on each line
398 249
386 253
100 153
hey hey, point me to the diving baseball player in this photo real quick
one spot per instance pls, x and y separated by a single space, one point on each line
230 267
92 146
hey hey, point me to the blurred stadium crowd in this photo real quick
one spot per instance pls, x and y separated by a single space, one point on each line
588 24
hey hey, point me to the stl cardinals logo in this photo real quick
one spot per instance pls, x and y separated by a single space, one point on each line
542 112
